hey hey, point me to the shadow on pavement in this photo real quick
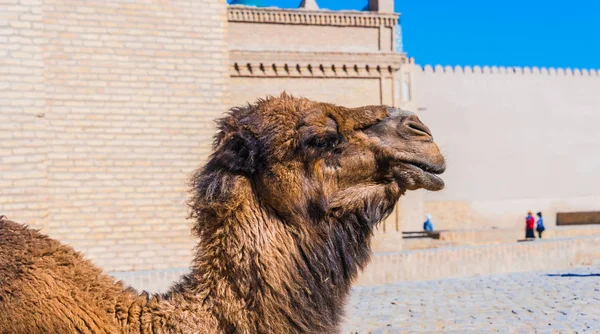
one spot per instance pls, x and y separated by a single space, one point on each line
573 275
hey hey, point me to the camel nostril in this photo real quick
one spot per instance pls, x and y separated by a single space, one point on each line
418 128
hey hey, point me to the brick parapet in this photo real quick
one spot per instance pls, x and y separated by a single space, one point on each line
310 17
515 70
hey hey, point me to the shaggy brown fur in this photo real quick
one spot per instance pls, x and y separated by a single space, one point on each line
284 211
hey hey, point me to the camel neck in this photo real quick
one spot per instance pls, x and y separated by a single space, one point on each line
262 275
255 271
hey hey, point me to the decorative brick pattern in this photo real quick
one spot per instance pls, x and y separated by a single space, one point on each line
106 125
307 17
511 70
315 64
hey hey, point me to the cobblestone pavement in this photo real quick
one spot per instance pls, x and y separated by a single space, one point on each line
565 301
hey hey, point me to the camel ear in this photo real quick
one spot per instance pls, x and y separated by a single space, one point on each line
239 153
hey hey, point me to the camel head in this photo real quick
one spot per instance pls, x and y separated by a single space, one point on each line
308 160
287 203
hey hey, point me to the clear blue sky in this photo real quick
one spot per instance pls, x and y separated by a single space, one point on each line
549 33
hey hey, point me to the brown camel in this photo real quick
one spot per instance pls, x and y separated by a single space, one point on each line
284 209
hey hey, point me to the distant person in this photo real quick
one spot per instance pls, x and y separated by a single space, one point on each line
428 224
529 225
540 225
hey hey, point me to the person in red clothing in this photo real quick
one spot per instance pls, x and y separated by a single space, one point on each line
529 225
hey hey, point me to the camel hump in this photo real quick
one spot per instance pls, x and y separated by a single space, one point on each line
42 280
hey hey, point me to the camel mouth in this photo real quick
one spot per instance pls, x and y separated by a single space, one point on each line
416 174
427 167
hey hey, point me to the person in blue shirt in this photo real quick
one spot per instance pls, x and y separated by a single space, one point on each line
428 224
540 225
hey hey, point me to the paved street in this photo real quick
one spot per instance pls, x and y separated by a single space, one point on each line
540 302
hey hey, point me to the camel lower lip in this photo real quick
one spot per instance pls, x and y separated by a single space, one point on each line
422 178
436 181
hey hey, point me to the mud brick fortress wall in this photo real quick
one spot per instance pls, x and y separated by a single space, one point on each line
516 139
106 108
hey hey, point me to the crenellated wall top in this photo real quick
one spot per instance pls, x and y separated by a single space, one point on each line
237 13
510 70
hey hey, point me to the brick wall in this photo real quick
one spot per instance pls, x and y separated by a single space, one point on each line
349 93
23 139
128 92
303 38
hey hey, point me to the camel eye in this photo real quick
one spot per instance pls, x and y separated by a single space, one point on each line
327 141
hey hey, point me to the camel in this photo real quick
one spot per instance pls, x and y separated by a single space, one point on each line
284 210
